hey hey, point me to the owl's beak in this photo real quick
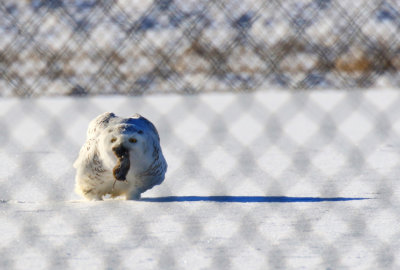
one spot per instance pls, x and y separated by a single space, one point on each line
123 163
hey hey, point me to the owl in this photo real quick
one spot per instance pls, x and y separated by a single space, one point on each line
121 157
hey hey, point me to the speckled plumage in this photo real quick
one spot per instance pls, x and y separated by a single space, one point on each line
121 156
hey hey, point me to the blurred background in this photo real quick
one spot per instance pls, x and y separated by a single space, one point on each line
283 106
55 47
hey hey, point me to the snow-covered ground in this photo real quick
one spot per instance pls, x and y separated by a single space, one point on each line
272 179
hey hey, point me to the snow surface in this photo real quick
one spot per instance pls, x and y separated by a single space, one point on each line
273 179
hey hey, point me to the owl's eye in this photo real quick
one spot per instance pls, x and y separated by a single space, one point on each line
113 140
132 140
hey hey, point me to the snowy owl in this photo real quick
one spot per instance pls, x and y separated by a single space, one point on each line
121 156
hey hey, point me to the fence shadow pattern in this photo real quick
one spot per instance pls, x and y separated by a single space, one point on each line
304 174
53 47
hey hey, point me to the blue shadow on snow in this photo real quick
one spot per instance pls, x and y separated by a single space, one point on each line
248 199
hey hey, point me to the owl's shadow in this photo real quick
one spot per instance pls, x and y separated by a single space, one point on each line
248 199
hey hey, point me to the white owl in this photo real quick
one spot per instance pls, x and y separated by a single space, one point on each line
121 156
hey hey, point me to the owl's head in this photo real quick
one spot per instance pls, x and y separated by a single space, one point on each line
127 143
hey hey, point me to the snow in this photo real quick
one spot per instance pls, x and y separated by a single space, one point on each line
246 187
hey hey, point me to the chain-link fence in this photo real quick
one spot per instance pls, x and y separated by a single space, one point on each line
266 180
52 47
263 180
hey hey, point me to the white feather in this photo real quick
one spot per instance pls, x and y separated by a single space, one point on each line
97 159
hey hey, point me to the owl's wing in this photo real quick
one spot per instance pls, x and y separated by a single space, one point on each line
88 161
159 166
89 151
98 124
86 154
89 167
